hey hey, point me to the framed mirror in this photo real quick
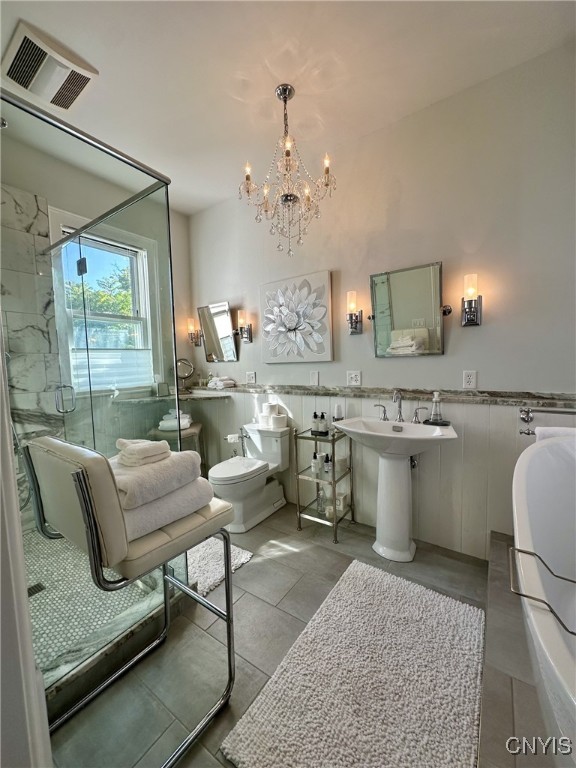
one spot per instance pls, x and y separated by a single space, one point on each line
407 311
217 333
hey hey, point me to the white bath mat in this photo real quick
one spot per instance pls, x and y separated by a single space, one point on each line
206 563
387 674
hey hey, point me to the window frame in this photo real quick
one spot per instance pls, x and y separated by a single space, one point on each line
145 274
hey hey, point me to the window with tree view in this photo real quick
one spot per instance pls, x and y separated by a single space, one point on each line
106 299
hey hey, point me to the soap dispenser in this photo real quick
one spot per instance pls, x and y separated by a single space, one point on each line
436 414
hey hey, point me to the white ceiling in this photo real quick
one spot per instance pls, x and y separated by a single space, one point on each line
187 87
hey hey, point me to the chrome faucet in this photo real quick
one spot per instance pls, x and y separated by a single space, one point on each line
383 415
397 398
415 418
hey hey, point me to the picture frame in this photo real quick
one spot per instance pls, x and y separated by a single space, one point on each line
296 319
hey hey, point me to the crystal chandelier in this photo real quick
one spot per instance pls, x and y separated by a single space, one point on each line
289 197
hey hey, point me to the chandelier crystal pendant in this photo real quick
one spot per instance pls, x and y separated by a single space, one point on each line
289 197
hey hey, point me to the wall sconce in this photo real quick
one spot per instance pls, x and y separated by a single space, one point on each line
194 336
471 302
244 328
353 315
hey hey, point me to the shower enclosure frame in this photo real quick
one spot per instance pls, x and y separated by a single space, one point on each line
159 182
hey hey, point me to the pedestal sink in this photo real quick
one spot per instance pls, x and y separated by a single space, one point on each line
395 443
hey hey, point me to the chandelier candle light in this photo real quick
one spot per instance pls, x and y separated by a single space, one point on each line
289 199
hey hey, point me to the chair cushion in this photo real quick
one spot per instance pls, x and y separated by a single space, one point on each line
157 547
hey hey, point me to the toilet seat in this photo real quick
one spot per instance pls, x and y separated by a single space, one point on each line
237 470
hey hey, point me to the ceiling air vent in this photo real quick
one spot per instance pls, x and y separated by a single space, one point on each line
44 68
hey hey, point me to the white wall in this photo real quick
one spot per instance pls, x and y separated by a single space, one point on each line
483 182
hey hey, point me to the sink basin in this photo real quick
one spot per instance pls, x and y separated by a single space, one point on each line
395 443
401 439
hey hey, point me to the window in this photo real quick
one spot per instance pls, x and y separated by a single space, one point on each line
103 301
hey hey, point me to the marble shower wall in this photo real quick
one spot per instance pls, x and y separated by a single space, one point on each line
28 321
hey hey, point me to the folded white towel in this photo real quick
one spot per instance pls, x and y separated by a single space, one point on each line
175 505
135 450
172 415
544 432
170 425
225 384
129 461
140 485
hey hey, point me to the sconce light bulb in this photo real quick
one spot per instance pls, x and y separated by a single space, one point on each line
191 328
241 319
351 301
326 162
471 286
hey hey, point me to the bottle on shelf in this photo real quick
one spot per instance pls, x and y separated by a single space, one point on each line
327 463
315 464
321 502
315 422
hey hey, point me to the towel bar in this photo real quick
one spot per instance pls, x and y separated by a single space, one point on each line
514 587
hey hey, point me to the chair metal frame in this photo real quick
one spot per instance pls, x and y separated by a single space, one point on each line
82 485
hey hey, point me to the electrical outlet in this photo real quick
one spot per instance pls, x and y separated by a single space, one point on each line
469 379
314 378
250 377
418 322
353 378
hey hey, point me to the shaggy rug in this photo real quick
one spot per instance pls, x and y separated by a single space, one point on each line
206 563
387 674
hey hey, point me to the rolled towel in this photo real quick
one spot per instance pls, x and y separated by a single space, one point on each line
544 432
142 484
175 505
212 384
142 449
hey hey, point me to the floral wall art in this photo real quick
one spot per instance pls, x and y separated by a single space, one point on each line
296 319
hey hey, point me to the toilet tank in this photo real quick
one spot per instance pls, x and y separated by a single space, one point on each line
269 444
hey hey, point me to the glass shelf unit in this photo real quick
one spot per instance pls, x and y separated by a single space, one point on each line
332 478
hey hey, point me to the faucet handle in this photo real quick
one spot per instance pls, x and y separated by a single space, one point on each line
415 418
383 415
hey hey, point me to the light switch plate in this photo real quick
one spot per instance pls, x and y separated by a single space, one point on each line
250 377
314 378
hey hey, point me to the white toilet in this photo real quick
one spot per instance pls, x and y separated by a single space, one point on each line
247 482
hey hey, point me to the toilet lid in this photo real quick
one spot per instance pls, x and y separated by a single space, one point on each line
236 469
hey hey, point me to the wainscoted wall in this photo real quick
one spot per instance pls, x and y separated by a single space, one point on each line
462 490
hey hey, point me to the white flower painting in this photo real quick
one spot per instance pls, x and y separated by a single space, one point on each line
296 319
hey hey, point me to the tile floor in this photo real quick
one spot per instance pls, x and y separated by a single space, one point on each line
139 720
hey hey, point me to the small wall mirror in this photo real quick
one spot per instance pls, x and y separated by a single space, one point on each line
407 311
184 369
217 333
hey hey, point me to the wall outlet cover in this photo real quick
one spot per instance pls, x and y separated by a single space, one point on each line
469 379
250 377
315 378
353 378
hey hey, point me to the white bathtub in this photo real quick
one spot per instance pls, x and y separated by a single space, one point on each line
544 500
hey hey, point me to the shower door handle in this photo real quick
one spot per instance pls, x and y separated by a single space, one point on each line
59 396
